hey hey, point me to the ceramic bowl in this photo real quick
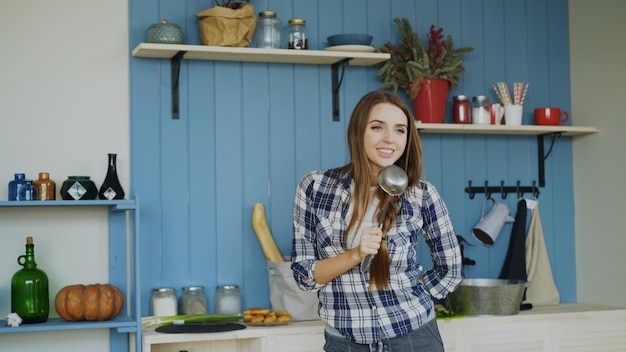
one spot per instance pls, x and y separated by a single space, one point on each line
349 39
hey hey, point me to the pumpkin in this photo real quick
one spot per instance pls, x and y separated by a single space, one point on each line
89 302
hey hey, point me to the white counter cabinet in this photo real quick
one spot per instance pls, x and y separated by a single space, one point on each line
567 327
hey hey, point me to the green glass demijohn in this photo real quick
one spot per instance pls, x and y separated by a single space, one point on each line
29 289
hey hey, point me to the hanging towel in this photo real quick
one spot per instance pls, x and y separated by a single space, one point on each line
541 289
514 267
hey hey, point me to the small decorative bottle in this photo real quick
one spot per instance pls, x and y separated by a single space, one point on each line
79 188
27 191
29 289
45 187
15 185
111 187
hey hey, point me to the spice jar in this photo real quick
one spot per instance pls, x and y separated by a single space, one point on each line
193 300
461 109
228 300
480 110
163 302
268 30
297 34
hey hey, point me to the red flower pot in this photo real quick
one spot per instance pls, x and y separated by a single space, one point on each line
430 104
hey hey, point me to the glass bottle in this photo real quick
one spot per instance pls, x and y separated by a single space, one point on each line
461 109
268 30
29 289
45 187
79 188
480 112
193 301
163 302
27 191
15 185
297 34
228 300
111 187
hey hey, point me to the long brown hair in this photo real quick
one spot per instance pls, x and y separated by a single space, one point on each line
359 167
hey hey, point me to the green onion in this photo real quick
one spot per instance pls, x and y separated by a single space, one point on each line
155 322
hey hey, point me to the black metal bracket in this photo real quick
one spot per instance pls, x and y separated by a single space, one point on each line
175 62
502 189
336 81
541 158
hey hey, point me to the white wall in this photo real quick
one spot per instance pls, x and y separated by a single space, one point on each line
65 105
598 73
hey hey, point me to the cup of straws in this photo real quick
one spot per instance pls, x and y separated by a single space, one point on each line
513 107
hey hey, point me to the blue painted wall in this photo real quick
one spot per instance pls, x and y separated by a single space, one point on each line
248 131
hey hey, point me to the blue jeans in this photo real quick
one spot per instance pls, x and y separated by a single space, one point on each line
426 338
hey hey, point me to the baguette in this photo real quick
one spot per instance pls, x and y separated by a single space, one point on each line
264 235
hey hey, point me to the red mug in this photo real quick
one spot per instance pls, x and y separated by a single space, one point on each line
551 116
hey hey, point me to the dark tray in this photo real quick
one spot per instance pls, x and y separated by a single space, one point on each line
200 328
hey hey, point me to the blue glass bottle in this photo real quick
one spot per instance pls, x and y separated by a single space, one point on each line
15 185
27 191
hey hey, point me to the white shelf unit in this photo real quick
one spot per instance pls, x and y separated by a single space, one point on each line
123 232
533 130
176 53
523 130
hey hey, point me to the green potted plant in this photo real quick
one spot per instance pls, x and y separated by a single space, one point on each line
425 73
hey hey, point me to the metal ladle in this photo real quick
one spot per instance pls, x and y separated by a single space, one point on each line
393 180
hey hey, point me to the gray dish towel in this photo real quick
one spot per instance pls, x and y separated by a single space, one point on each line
541 289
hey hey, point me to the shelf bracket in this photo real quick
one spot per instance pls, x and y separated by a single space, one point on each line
336 81
541 156
175 62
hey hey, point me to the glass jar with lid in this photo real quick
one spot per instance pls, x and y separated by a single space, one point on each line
461 109
297 34
193 301
480 110
268 30
228 300
163 302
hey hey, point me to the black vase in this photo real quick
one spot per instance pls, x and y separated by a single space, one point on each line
79 188
111 187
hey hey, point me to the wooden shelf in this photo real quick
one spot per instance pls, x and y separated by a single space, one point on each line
534 130
178 52
286 56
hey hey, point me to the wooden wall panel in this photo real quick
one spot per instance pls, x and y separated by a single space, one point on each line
248 131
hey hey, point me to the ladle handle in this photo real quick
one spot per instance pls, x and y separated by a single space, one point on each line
366 262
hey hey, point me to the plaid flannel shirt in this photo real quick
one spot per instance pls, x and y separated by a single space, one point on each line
346 303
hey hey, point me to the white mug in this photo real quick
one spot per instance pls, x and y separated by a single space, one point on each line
513 114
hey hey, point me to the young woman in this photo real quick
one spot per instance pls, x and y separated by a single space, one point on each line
336 224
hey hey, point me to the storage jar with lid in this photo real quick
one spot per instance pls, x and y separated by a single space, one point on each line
193 301
165 33
268 30
228 300
461 109
297 34
163 302
480 110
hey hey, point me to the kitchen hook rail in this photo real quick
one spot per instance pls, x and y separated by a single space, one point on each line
502 189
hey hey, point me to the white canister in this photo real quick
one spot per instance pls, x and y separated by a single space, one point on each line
163 302
480 110
228 300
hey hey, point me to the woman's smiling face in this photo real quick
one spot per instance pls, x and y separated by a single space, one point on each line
385 137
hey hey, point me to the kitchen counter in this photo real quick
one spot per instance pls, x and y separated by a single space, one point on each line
566 327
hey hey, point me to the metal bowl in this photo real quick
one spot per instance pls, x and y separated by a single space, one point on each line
349 39
487 297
